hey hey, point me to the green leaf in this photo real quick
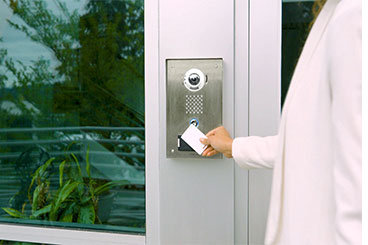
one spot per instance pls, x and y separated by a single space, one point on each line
41 211
61 172
101 189
14 213
88 165
70 145
67 216
87 215
39 172
84 200
77 162
42 168
91 188
36 193
63 194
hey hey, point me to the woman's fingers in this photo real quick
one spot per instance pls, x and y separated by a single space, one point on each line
218 140
208 150
204 141
211 153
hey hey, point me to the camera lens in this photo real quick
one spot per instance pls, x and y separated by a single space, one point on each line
194 79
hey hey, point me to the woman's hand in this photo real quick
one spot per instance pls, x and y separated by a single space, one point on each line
218 140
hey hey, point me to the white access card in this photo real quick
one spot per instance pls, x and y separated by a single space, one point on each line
191 136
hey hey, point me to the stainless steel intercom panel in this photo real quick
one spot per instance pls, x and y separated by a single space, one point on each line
193 96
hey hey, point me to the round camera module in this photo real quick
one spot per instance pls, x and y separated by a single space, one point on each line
194 80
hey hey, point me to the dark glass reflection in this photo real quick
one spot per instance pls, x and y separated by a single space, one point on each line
296 21
72 113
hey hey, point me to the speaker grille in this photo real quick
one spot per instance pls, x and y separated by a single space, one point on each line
194 104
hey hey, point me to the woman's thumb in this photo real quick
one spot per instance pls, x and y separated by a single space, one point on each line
204 141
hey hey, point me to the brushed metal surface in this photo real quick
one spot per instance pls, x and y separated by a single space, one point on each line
209 110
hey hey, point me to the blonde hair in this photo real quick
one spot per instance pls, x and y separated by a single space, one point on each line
316 9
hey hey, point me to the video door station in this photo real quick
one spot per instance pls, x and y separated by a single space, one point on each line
193 96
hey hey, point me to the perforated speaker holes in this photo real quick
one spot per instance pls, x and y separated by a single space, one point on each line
194 104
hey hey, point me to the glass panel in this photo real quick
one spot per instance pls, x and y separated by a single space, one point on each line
72 114
297 18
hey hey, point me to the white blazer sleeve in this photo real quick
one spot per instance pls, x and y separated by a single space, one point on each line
345 59
254 151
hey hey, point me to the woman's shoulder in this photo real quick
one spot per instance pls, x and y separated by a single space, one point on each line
346 22
347 12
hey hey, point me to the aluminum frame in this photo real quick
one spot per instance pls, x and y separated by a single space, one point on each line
264 101
65 236
241 108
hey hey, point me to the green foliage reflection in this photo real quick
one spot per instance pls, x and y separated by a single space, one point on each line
75 200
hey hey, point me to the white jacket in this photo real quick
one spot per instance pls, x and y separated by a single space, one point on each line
316 156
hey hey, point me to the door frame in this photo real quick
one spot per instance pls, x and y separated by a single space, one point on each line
265 29
152 112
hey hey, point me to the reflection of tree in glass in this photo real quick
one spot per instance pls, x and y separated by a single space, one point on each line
111 63
103 50
98 80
